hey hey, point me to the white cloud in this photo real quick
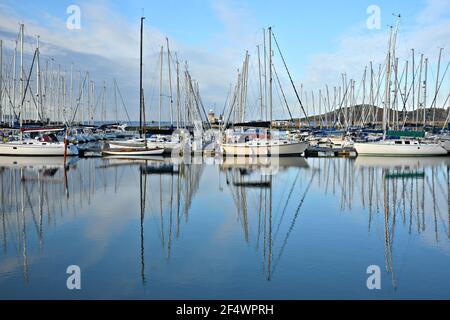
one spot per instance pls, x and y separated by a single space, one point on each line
358 47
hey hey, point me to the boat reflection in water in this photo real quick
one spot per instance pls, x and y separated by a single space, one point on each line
251 182
409 192
224 228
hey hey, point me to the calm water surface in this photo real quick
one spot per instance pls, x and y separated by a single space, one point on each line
239 229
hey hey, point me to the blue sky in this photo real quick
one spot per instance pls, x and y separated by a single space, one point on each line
320 39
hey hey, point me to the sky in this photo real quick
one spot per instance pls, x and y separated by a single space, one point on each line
320 40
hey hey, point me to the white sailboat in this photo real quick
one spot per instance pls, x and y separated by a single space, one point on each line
269 144
399 147
31 147
47 143
264 147
396 147
138 146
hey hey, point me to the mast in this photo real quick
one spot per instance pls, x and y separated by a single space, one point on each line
115 101
1 80
38 78
170 82
160 84
260 84
71 88
413 79
265 71
425 93
21 76
419 89
404 92
387 101
14 83
437 83
395 113
178 91
141 89
289 75
270 76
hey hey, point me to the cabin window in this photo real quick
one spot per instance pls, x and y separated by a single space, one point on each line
407 142
398 142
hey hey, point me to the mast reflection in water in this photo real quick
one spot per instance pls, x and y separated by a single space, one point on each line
232 228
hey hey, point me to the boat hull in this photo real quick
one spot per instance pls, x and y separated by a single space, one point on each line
133 152
272 149
51 149
392 150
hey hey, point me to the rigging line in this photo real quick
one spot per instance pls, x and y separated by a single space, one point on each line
9 99
440 83
280 100
79 98
340 108
290 78
282 92
286 204
123 103
302 200
28 82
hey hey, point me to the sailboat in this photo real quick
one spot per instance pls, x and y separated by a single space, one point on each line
245 144
37 147
399 147
45 143
135 147
402 146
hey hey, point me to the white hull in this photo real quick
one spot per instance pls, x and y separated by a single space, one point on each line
389 149
269 148
36 149
139 143
445 144
133 143
133 152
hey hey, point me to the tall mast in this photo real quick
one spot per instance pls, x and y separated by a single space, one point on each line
14 83
260 84
419 89
413 79
364 96
395 113
21 75
387 102
265 71
425 82
170 82
270 75
178 91
160 84
405 88
115 101
71 88
437 87
38 77
1 80
141 89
